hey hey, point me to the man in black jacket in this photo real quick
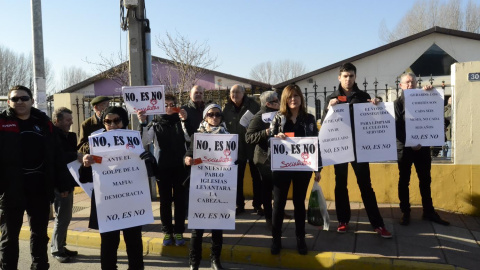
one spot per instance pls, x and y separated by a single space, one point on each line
32 166
418 155
348 92
63 120
194 109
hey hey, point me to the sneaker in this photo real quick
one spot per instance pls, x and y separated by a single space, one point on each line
434 217
61 257
405 220
342 227
168 240
70 253
383 232
179 241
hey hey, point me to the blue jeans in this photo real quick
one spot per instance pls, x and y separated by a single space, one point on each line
63 209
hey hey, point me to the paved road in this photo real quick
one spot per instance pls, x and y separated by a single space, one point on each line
90 259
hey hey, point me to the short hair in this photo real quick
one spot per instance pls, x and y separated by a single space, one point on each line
20 87
347 67
267 96
197 87
171 97
286 95
410 74
239 87
58 113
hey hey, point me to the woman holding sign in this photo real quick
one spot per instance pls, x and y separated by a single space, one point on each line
212 123
291 120
115 118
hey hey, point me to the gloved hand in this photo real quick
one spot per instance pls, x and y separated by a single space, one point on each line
150 162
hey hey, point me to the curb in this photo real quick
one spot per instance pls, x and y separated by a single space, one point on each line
288 258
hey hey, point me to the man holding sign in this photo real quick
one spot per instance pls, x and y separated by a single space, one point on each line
418 155
348 92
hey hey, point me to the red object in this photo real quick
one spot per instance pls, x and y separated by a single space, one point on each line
197 161
383 232
176 109
342 227
97 159
290 134
342 98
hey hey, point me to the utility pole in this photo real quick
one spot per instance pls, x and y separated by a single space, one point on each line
39 84
136 43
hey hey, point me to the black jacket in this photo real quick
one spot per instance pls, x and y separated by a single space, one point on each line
194 116
68 143
257 135
11 182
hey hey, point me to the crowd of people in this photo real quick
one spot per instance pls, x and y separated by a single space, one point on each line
35 172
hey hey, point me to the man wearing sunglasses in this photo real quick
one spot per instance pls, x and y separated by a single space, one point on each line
32 167
93 123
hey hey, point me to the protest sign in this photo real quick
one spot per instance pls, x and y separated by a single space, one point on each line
122 192
424 122
115 140
375 138
268 116
73 167
213 182
294 154
145 98
335 136
246 118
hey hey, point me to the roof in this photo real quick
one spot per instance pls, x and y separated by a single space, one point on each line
100 76
436 29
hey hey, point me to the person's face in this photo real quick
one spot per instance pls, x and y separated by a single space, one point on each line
236 95
294 101
65 123
214 117
347 79
169 105
112 121
274 104
408 83
100 107
196 94
450 100
19 106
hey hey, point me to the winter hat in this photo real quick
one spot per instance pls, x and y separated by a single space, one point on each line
209 107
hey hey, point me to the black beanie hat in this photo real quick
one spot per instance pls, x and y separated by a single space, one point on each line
117 110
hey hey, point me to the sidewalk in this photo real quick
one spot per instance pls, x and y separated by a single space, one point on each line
421 245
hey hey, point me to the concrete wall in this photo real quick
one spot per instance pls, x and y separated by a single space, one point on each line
68 100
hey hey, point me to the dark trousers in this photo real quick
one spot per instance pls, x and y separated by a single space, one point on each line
423 163
11 220
281 184
342 201
171 180
133 242
267 188
196 245
257 184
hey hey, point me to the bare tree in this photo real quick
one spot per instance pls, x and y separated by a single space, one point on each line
72 75
277 72
425 14
114 67
189 61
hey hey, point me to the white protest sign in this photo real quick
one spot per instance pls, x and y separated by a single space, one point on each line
212 199
294 154
213 182
116 140
145 98
122 192
217 149
335 136
73 167
246 118
375 138
424 122
268 116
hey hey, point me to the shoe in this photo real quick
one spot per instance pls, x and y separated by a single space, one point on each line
269 224
405 220
216 264
259 211
61 257
179 241
287 216
193 267
239 210
167 240
342 227
383 232
434 217
302 246
276 246
70 253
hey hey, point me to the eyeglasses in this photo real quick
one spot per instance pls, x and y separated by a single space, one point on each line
171 105
115 121
216 114
22 98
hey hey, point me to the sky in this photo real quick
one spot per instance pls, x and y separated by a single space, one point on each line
241 33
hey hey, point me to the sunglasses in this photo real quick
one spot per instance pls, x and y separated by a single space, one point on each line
22 98
115 121
172 105
216 114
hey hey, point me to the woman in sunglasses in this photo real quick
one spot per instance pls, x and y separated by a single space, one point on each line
115 118
292 117
212 123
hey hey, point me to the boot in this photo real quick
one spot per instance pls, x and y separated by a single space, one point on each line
302 246
193 267
276 245
216 265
